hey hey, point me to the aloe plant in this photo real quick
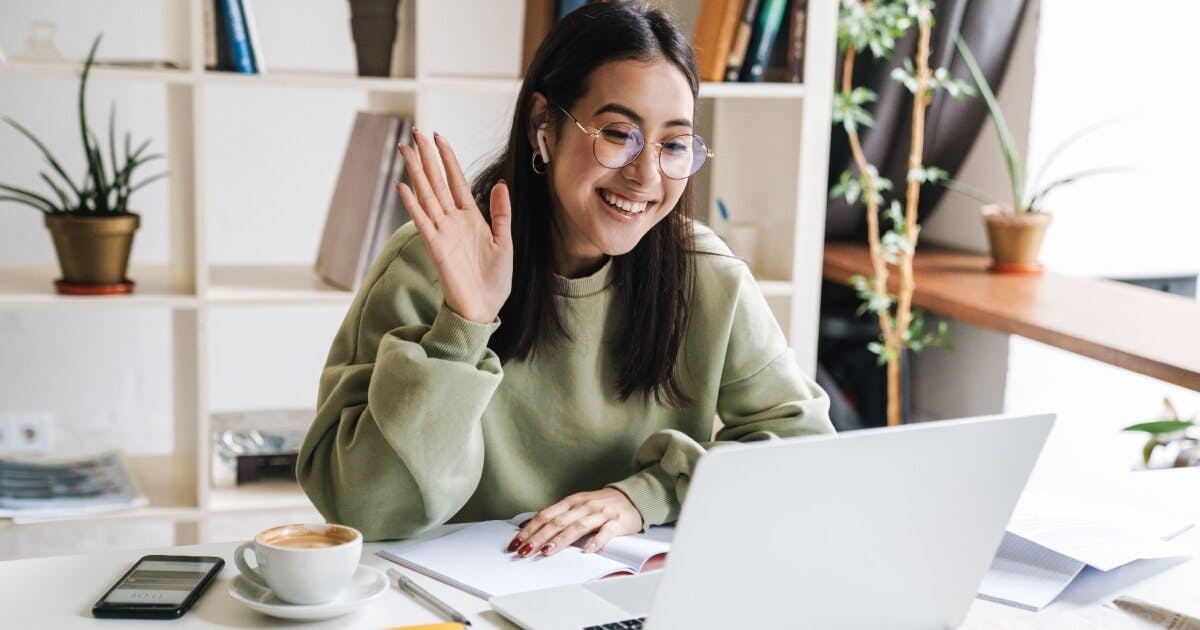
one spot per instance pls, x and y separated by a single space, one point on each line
1025 197
105 188
1173 429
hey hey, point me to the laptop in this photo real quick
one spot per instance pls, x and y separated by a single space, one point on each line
878 528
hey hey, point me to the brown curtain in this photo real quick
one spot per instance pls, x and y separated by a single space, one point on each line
990 28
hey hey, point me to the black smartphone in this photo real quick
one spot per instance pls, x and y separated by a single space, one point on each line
159 587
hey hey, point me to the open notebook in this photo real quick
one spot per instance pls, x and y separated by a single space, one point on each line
475 559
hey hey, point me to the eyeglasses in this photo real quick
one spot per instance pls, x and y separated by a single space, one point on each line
618 144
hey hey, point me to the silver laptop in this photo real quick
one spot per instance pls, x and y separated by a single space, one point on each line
880 528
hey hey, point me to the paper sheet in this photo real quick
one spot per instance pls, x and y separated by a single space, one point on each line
1027 575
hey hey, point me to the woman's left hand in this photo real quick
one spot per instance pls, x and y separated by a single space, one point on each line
607 512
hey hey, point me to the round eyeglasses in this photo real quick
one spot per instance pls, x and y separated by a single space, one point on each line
618 144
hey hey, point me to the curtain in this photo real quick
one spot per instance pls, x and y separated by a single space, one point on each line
989 28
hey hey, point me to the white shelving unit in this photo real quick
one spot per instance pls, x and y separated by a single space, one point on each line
771 143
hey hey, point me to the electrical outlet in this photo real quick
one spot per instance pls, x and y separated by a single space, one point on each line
26 433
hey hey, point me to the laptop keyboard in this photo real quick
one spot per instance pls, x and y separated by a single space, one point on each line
628 624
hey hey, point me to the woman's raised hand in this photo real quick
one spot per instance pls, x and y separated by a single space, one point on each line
474 260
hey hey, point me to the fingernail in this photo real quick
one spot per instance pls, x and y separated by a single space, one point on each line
504 182
526 549
435 135
516 542
547 548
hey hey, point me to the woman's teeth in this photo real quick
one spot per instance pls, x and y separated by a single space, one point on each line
629 207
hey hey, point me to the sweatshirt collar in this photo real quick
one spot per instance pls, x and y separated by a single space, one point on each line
587 285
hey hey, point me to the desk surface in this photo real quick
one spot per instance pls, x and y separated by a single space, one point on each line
58 592
1130 327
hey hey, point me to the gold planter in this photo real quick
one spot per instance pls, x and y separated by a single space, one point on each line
1014 239
93 252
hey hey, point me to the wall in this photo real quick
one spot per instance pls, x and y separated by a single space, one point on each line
1126 225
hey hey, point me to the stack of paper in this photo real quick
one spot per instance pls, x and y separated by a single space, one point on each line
1051 539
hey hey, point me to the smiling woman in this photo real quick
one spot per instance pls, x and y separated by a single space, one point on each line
559 335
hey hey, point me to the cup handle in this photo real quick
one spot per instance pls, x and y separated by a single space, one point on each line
251 574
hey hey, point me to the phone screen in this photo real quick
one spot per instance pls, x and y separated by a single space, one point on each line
160 582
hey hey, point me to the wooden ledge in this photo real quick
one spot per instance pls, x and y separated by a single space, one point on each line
1138 329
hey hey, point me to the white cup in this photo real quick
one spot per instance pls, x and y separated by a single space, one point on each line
303 563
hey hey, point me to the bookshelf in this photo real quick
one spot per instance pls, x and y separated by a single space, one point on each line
771 142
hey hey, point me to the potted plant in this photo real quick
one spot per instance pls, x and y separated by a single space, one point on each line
1175 436
89 221
1015 230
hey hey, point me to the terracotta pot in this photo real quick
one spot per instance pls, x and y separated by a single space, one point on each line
92 250
1014 239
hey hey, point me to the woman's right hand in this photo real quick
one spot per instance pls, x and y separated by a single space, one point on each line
474 260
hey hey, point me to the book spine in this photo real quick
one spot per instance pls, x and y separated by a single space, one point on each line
239 42
741 41
565 7
714 36
221 35
210 35
252 33
765 32
795 57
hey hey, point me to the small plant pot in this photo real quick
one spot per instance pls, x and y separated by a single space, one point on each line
1014 239
93 252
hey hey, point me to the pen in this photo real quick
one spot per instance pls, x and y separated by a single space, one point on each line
416 591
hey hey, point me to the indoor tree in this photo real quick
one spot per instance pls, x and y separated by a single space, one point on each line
875 27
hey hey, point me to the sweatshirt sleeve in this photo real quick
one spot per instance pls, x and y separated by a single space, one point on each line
763 395
397 445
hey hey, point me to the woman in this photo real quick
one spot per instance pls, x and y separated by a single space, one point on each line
560 337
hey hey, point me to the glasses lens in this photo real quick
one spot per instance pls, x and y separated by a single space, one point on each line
682 156
618 144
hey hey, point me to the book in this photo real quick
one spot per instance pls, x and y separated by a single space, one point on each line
713 36
766 30
539 18
36 489
256 55
342 258
565 7
741 40
475 559
237 41
797 24
391 214
210 35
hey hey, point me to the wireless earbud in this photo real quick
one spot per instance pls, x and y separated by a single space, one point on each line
541 138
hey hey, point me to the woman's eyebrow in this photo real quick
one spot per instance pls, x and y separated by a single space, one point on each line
629 113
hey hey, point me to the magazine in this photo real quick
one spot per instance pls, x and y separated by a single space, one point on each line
38 489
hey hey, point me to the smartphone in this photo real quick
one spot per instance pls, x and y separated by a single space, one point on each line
159 587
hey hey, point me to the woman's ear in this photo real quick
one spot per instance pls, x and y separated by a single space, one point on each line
538 126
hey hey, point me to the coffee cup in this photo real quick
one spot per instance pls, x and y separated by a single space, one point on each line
302 563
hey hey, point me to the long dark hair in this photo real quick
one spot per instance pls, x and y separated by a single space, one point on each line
655 282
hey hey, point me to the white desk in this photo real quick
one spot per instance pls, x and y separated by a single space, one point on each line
58 592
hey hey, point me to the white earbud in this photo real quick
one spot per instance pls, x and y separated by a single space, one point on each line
541 138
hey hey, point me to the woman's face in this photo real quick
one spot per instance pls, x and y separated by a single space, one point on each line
656 97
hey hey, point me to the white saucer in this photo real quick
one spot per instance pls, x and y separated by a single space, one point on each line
367 584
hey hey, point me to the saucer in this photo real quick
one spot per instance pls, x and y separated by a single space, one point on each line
367 584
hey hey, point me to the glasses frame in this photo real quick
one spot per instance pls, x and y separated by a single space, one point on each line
708 153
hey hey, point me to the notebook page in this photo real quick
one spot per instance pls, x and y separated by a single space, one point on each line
1026 574
475 559
632 550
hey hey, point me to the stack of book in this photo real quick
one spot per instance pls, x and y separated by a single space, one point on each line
751 40
37 489
365 209
734 40
231 41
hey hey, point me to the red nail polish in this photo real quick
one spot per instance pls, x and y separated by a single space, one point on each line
516 542
526 549
547 547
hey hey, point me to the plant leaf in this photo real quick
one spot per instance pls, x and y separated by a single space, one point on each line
89 152
28 202
1072 139
1159 427
1011 158
148 180
970 191
29 197
1037 197
45 152
62 197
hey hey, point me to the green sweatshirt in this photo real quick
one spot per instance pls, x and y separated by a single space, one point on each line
419 424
